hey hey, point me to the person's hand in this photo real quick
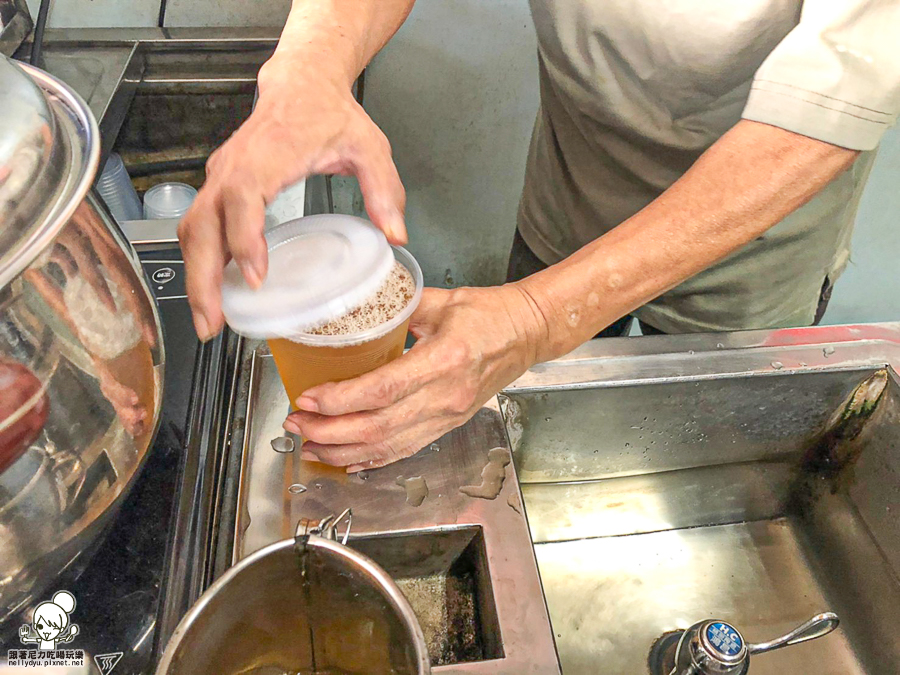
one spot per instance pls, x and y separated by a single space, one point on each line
304 123
125 401
471 342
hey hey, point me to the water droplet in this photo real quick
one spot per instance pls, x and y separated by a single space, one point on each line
492 476
777 365
416 489
547 419
513 503
691 351
363 475
828 351
283 444
318 485
297 489
719 345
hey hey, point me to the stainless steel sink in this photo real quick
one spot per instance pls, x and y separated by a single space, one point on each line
755 480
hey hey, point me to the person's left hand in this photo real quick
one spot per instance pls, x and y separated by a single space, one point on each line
471 342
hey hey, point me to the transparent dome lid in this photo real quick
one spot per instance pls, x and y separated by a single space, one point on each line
320 268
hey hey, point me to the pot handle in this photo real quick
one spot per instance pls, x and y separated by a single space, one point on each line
326 528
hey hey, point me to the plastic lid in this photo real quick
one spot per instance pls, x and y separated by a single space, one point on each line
168 200
320 268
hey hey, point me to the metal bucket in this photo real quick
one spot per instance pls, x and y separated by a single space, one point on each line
307 605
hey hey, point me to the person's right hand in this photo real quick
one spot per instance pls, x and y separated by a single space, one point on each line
305 123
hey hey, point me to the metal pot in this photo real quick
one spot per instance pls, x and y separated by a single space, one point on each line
307 605
81 352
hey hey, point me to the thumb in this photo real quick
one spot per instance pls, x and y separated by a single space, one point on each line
426 320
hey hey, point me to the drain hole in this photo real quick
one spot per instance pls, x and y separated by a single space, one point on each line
661 659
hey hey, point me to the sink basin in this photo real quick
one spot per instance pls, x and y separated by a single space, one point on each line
758 483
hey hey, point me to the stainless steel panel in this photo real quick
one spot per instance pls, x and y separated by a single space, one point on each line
100 13
880 508
652 502
608 432
105 77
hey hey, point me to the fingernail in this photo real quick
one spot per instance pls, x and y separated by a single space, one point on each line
251 274
307 404
291 427
356 468
308 456
399 231
395 230
201 325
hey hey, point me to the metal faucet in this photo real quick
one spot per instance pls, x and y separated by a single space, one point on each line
714 647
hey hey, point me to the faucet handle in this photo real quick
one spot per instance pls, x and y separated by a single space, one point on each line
816 627
714 647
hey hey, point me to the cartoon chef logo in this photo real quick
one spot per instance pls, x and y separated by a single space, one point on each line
51 625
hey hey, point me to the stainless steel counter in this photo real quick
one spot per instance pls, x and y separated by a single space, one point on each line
421 502
648 469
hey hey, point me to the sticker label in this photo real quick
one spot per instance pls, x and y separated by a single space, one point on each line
725 638
163 275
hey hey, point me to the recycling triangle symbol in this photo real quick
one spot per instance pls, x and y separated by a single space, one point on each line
106 662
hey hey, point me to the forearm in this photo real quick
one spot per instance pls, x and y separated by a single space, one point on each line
337 38
747 182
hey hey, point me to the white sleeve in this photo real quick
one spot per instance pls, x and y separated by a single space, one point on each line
836 76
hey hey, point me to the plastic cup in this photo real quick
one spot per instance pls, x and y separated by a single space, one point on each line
305 361
168 200
321 268
117 190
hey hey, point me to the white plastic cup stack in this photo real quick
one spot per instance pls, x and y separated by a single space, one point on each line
168 200
117 190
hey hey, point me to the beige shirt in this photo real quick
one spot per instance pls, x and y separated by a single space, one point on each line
634 91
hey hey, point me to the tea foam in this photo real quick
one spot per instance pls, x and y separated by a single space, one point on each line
393 296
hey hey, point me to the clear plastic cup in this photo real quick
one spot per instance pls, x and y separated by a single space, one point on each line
168 200
117 190
321 268
307 360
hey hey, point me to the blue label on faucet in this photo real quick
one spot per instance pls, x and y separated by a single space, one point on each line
725 638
